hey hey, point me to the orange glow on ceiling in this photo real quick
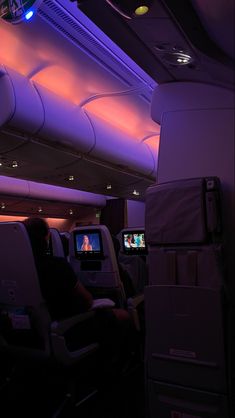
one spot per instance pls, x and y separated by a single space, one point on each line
5 218
13 52
61 82
58 223
37 51
153 143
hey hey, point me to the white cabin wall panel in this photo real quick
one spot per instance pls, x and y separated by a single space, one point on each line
196 143
197 139
189 96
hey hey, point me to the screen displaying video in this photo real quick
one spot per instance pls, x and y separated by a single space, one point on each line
134 243
88 244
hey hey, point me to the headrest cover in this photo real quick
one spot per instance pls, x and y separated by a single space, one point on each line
177 212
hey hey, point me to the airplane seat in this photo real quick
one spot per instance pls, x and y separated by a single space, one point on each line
27 334
137 270
134 264
56 244
185 349
97 269
65 242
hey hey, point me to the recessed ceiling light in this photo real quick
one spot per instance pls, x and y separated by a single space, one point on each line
136 193
0 164
40 209
3 206
71 211
14 164
177 58
141 10
71 178
109 186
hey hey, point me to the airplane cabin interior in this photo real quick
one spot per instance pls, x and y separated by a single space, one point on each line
117 227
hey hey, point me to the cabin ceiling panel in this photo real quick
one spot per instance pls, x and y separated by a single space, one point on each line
206 34
93 177
9 141
34 159
46 164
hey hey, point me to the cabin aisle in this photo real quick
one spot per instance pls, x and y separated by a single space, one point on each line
25 397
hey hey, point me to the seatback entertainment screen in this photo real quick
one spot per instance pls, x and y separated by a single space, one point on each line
88 244
134 243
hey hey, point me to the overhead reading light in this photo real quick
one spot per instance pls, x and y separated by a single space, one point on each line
71 178
71 211
130 8
141 10
3 206
0 164
136 193
109 186
14 164
40 209
177 58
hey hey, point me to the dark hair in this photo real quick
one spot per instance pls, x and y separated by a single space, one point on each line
38 230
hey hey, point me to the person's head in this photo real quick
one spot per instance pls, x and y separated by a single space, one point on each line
85 239
38 231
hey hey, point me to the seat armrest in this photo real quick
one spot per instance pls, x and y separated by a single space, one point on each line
135 301
60 327
102 303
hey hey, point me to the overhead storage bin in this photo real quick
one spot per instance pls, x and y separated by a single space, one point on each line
32 190
65 123
119 148
34 111
20 105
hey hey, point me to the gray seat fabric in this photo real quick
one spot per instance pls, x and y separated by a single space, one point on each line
26 326
104 275
56 243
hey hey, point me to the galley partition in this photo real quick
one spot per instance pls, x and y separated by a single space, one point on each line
185 350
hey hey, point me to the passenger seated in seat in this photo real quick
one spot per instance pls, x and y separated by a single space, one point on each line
66 296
